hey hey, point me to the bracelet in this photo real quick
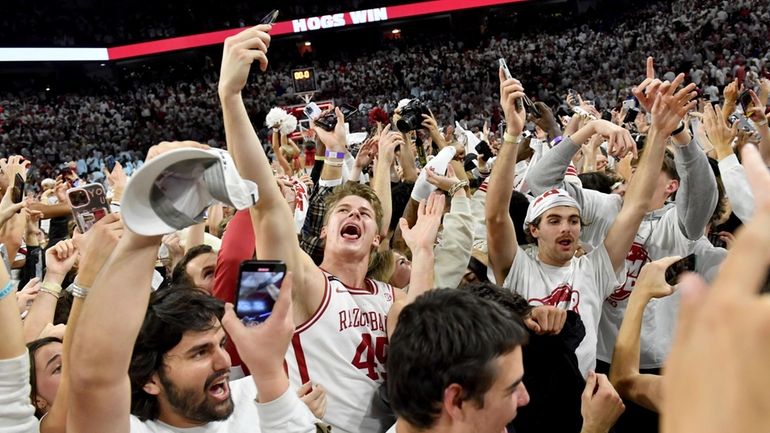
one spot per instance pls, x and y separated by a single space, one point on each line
331 163
508 138
77 291
679 129
456 187
51 288
338 155
761 122
319 158
5 291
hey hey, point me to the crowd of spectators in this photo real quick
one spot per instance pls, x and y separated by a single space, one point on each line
713 42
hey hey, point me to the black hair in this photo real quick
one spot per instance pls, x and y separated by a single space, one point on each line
518 212
32 348
505 298
179 275
172 312
597 181
447 336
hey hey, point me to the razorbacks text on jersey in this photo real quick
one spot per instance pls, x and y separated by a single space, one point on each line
343 347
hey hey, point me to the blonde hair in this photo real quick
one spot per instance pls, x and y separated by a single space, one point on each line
354 188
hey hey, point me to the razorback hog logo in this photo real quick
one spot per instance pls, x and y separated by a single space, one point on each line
561 294
636 258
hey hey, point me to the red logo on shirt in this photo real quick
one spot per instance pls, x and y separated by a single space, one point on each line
636 258
561 294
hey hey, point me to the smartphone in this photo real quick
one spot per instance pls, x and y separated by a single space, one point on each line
89 205
679 267
110 162
312 111
743 123
259 282
17 193
631 115
270 18
745 100
484 150
628 104
329 120
716 241
508 76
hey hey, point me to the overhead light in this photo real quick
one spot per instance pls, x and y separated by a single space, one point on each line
47 89
308 43
102 64
396 31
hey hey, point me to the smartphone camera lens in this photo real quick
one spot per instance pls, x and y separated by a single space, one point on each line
79 197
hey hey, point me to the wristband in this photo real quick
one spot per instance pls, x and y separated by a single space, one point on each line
508 138
331 163
5 291
679 129
456 187
77 291
51 288
337 155
761 122
319 158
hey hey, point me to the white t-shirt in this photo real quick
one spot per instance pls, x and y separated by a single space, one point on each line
16 412
581 286
658 236
244 418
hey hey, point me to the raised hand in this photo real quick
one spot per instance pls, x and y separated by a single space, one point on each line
336 140
60 258
652 281
444 183
731 92
669 108
263 347
648 89
98 243
8 208
387 143
619 140
366 153
719 134
117 179
515 117
713 361
423 234
240 51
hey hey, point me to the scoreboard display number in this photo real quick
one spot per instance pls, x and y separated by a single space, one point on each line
304 80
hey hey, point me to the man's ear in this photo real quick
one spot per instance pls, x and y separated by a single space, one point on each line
152 386
453 403
533 230
323 233
376 241
672 186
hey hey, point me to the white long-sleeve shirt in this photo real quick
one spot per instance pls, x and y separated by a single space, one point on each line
17 415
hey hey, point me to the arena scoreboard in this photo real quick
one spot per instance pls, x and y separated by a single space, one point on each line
304 80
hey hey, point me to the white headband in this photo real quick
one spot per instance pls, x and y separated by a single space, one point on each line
549 200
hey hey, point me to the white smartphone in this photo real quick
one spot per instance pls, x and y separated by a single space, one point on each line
312 111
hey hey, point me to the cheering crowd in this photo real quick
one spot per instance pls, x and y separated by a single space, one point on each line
713 42
470 261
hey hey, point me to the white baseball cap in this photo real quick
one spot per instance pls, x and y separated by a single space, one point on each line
174 190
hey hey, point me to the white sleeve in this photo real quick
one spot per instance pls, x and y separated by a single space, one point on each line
17 415
523 270
454 252
478 201
286 414
737 187
606 277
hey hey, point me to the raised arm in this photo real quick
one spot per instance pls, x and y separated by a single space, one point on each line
697 195
502 245
667 112
277 239
421 239
642 389
381 183
100 391
96 246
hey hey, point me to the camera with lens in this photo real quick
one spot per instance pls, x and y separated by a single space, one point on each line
411 116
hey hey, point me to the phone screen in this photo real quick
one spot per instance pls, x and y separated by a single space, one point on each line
745 100
259 283
17 193
679 267
110 163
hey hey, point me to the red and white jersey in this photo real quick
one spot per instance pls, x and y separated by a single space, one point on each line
343 347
